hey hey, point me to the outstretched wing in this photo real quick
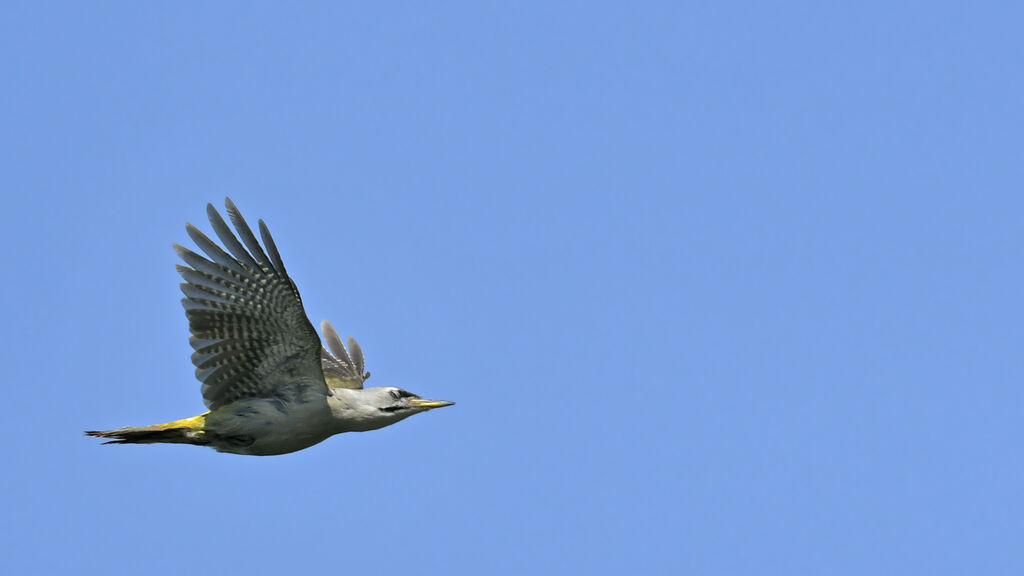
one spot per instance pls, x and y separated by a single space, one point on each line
249 331
343 369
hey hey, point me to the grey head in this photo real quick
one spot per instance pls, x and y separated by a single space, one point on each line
372 408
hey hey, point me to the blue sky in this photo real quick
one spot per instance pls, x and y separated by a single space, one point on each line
719 288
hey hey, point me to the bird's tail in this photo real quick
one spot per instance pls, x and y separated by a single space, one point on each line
186 431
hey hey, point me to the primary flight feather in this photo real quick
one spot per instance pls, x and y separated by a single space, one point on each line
270 386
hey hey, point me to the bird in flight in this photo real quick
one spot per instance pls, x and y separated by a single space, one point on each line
270 386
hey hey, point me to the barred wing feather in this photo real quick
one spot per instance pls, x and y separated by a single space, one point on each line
345 367
249 330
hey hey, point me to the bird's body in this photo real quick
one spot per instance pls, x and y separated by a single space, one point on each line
270 385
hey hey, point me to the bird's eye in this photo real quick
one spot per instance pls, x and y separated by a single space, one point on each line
395 395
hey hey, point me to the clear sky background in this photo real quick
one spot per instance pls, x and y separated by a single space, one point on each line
719 288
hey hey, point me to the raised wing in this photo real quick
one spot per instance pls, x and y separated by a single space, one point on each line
343 369
249 331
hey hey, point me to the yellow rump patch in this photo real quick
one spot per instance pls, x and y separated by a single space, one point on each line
194 423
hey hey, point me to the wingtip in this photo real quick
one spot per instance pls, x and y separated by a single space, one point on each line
192 230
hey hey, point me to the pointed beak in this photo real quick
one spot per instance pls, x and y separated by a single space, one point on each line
425 403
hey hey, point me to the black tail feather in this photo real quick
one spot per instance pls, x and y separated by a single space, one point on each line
149 435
